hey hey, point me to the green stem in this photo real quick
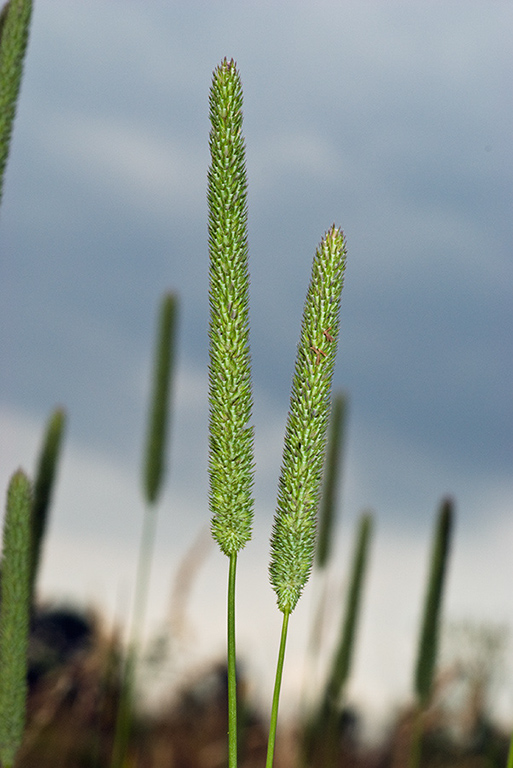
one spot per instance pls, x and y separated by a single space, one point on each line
232 666
277 687
510 755
142 579
143 572
416 738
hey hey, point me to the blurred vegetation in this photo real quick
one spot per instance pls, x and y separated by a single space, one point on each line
75 672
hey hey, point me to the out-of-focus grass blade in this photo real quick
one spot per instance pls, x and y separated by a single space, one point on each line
14 32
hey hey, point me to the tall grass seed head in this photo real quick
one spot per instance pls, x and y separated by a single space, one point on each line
231 437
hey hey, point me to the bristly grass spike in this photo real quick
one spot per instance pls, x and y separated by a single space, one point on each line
230 435
293 535
292 541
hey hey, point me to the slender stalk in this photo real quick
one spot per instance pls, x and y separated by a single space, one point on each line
14 616
142 580
416 737
232 665
277 688
142 577
510 754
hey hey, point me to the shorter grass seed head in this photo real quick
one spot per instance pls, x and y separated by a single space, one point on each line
293 536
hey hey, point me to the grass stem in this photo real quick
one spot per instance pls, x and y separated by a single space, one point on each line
416 738
510 754
232 665
277 687
142 580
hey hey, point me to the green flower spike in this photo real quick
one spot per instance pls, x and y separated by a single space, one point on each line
293 537
14 616
231 439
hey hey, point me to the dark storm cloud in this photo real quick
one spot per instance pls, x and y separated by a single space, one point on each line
391 120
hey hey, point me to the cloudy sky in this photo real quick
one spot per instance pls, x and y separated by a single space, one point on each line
392 120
